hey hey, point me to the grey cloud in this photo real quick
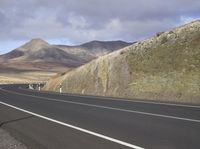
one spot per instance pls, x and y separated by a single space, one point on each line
83 20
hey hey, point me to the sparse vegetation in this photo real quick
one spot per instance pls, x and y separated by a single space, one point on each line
164 67
25 77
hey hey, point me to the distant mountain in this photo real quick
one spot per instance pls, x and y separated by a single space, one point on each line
99 48
95 48
40 55
165 67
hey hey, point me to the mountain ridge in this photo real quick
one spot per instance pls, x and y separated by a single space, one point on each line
38 50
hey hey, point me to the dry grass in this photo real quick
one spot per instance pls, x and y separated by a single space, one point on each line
25 77
164 67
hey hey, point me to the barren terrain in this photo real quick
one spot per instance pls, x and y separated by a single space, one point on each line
165 67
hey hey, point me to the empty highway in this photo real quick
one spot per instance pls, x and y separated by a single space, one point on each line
65 121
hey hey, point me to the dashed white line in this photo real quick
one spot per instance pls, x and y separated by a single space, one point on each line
118 99
110 108
76 128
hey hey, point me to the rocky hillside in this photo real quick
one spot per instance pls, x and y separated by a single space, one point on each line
164 67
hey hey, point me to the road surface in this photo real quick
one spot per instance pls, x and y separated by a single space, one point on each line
64 121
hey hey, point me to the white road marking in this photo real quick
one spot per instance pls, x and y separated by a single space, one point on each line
118 99
110 108
76 128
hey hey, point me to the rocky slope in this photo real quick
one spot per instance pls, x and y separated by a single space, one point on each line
164 67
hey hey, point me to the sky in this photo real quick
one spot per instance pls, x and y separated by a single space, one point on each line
77 21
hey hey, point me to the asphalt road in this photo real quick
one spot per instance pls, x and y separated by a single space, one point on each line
64 121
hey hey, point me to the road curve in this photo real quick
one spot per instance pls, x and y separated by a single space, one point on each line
51 120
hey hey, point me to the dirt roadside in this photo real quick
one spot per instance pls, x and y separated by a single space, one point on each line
8 142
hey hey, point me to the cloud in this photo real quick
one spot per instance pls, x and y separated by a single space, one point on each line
83 20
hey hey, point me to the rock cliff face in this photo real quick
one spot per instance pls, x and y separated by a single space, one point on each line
164 67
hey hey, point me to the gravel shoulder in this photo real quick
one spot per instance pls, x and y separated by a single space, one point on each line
8 142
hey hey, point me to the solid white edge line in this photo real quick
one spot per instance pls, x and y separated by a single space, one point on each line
110 98
105 107
76 128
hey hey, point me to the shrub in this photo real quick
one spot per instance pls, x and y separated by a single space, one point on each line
159 33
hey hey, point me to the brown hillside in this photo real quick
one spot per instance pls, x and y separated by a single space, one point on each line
164 67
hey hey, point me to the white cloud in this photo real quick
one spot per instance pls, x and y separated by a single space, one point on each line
77 22
83 20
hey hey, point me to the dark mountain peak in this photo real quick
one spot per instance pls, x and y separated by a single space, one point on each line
105 44
99 48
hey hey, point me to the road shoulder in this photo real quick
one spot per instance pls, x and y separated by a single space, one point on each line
9 142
